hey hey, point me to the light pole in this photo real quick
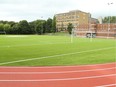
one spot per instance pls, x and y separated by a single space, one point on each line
109 20
115 39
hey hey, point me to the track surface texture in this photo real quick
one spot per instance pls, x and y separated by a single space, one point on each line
99 75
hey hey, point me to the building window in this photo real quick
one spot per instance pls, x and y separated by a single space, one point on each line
77 16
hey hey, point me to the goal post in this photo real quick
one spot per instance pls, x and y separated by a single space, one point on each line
73 34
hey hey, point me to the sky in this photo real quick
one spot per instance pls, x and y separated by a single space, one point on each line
30 10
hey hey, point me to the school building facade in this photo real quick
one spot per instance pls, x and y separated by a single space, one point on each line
84 24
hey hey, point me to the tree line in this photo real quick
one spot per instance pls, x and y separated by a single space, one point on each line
109 19
25 27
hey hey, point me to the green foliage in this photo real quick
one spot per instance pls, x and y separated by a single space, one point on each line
70 27
1 27
54 25
7 28
24 27
39 28
44 27
49 25
109 19
15 29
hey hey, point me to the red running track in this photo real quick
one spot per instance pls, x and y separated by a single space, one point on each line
100 75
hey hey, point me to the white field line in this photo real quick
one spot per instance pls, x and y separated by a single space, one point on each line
62 79
17 36
60 72
30 59
8 46
107 85
30 67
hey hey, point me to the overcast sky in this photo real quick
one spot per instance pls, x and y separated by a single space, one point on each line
16 10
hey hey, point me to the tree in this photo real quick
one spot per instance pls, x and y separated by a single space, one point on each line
32 26
70 27
36 25
49 25
15 29
1 27
44 27
54 25
24 27
109 19
7 28
113 19
39 28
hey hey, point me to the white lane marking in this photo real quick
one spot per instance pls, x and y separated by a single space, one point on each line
107 85
56 66
38 58
62 79
60 72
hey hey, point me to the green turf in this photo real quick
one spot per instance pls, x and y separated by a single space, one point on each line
35 46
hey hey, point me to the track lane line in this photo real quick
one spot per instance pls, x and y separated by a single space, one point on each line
54 76
51 69
107 85
57 72
63 79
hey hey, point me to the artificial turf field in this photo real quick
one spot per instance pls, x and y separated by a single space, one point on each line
54 50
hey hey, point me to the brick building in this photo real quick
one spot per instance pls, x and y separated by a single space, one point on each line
84 25
97 30
76 17
106 30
